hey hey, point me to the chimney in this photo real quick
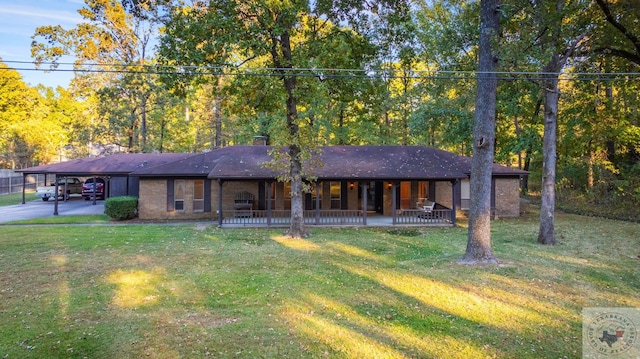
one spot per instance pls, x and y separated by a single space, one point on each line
260 140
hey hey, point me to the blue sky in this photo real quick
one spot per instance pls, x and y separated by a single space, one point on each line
18 22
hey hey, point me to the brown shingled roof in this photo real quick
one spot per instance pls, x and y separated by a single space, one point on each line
117 164
355 162
198 165
247 162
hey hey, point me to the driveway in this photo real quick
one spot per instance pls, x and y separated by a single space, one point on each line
40 209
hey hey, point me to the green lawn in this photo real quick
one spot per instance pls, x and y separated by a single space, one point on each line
168 291
16 198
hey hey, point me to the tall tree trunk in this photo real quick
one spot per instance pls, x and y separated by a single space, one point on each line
547 233
143 124
479 235
592 158
341 129
283 43
217 113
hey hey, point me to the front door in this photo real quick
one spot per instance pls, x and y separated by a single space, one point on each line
374 196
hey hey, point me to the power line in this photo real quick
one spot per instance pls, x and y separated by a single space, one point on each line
322 73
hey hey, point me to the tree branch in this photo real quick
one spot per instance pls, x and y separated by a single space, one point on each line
635 58
611 19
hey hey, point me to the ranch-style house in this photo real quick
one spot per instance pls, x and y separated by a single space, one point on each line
353 185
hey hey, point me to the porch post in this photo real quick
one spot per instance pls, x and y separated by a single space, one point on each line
219 203
364 204
394 205
317 212
93 191
55 195
268 195
24 186
64 194
454 183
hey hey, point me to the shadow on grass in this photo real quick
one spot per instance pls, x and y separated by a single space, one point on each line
190 291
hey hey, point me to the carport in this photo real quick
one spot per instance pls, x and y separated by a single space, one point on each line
115 169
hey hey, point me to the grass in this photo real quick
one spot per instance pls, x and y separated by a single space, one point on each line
16 198
168 291
75 219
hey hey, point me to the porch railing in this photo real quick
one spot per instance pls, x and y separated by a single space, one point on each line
283 217
332 217
419 216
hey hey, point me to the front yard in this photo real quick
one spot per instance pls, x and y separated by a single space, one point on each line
167 291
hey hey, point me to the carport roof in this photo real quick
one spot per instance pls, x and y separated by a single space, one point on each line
117 164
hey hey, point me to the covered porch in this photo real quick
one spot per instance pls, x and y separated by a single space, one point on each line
337 203
280 218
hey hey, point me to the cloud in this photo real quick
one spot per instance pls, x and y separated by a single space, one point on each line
37 14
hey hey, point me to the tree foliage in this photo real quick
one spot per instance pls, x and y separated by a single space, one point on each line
342 72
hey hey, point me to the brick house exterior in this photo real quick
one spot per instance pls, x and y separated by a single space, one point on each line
352 182
400 176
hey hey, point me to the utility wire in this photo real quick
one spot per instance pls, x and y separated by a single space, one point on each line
321 73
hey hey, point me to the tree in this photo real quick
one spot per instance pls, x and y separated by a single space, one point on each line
622 37
447 38
479 234
112 45
31 131
239 32
561 43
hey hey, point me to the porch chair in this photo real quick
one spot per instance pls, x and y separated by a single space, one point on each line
243 204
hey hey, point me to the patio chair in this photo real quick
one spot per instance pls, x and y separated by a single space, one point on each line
243 204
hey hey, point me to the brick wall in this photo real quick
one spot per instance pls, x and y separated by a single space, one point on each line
153 198
507 197
444 195
152 203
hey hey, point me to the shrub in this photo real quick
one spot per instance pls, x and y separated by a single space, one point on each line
121 208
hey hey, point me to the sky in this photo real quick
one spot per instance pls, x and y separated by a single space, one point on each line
18 22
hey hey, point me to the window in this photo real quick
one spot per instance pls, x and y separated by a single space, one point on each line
423 189
287 195
178 199
423 194
336 192
465 194
405 195
198 196
271 200
316 192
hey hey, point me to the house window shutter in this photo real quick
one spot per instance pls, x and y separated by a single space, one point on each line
207 195
262 196
170 196
344 193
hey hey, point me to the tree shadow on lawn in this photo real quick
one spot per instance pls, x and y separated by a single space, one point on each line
395 295
387 310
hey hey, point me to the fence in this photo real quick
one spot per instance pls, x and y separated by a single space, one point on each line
11 182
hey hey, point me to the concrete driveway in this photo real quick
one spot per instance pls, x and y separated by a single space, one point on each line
40 209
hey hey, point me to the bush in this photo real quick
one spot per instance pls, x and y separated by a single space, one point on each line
121 208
